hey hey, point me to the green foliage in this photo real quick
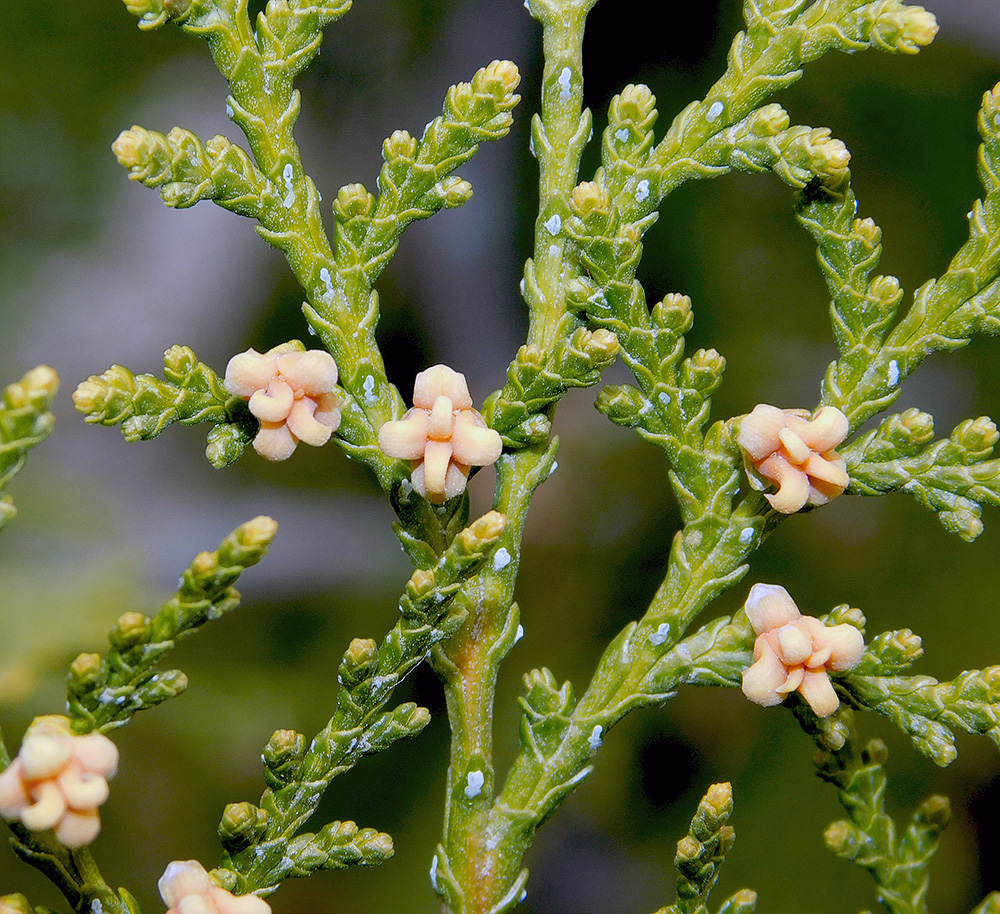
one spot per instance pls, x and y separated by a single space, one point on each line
25 421
586 308
875 355
929 711
414 182
702 852
954 476
187 171
264 848
897 862
104 692
144 405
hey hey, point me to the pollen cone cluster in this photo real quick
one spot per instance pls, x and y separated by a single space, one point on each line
58 781
291 390
796 453
442 435
795 652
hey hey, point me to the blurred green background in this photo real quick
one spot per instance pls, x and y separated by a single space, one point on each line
94 270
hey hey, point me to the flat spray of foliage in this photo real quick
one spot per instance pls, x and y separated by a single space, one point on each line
586 309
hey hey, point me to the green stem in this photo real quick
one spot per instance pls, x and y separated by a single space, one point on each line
537 785
265 105
469 666
559 135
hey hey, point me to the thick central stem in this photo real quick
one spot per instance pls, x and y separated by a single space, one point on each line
480 864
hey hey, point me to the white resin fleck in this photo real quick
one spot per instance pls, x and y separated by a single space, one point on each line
474 781
660 635
287 174
565 79
369 387
714 112
595 738
621 134
501 560
554 224
894 372
746 535
642 190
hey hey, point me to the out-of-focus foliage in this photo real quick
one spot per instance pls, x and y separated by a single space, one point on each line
68 71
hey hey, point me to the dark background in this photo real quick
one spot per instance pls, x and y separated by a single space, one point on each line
94 270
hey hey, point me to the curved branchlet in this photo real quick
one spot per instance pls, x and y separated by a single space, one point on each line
262 843
877 353
25 421
104 692
897 861
700 855
144 406
954 476
780 38
537 379
929 711
187 171
414 182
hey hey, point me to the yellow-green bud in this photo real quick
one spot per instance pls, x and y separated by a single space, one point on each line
886 289
718 801
842 839
282 757
132 628
399 147
85 671
257 532
39 382
483 532
590 198
598 345
242 825
421 583
977 436
935 812
353 200
848 615
919 29
673 313
875 752
622 404
688 848
770 120
499 79
636 105
204 564
359 662
703 371
530 356
178 363
453 191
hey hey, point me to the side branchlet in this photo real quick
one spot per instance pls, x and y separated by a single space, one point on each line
104 692
898 862
144 406
701 853
25 421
